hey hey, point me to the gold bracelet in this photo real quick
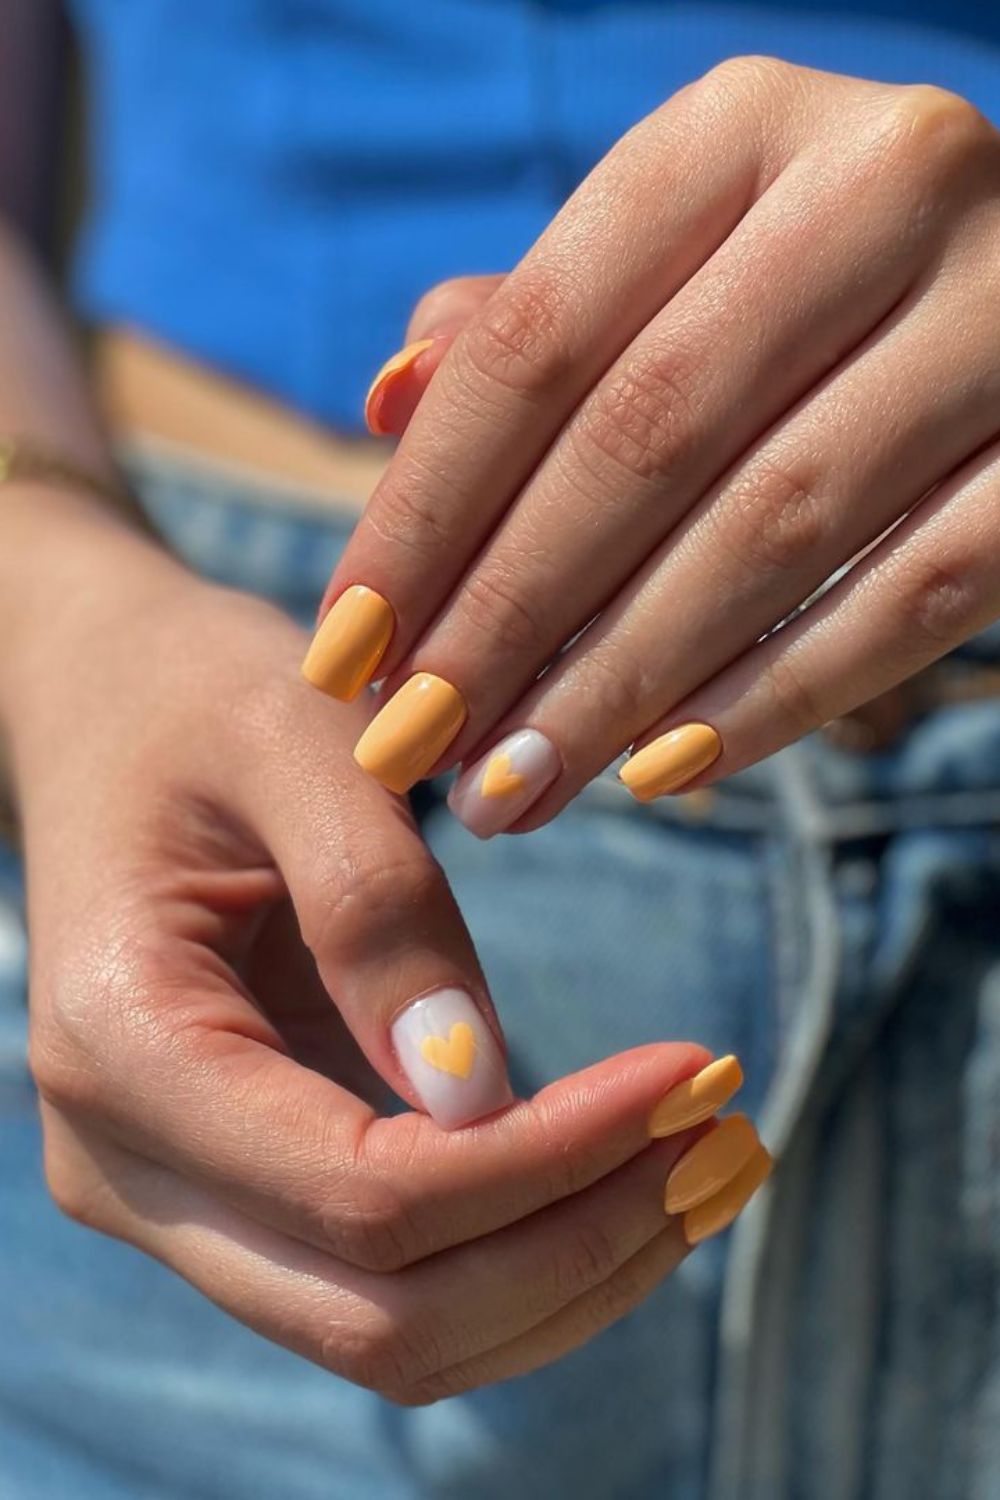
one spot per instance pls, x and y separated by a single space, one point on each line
25 460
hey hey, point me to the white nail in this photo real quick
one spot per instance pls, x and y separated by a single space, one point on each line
452 1058
491 795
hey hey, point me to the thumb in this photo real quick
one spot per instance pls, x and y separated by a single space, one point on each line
439 315
376 911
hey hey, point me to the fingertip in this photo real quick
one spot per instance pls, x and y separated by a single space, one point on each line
395 393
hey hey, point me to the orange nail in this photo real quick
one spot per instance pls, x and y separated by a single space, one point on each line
718 1212
349 643
710 1164
393 376
670 762
697 1098
411 732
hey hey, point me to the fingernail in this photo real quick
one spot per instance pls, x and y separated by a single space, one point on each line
718 1212
411 732
697 1098
385 387
710 1164
492 794
670 762
349 643
452 1058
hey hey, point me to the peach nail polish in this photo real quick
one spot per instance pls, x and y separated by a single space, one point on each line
710 1163
492 794
386 385
670 762
349 643
411 732
718 1212
697 1098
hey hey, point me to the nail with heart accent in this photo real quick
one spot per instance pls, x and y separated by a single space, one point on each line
452 1058
492 794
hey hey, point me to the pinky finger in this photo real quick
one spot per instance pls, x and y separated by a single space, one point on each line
569 1328
929 585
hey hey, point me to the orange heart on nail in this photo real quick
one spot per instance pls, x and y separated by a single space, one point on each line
454 1054
499 780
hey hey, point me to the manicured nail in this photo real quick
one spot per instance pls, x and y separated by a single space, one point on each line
389 385
451 1057
492 794
411 732
349 643
718 1213
710 1164
670 762
697 1098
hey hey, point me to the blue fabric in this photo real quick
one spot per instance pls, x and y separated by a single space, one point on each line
276 182
833 920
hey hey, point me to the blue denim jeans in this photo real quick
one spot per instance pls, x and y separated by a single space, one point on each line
834 920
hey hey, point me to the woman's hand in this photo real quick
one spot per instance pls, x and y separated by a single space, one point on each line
207 867
764 331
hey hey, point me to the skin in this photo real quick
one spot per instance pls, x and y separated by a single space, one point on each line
717 378
207 867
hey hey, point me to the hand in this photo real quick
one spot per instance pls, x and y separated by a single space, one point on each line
190 809
764 331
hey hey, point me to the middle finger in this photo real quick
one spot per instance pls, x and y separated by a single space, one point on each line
739 344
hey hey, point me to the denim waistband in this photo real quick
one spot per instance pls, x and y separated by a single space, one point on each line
943 771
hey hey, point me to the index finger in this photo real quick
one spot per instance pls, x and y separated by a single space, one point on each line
206 1091
514 374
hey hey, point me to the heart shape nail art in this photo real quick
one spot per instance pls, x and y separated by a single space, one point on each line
499 780
453 1054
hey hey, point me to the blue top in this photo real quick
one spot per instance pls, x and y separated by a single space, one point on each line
277 181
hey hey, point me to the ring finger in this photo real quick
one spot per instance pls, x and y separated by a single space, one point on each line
893 423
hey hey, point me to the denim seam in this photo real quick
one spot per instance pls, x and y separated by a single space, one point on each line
739 1396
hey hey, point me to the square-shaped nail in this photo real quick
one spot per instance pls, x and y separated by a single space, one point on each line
492 794
452 1058
349 643
411 731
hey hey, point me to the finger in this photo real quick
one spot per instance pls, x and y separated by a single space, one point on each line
892 422
447 307
517 371
930 585
570 1328
375 910
398 387
598 1308
744 340
202 1085
442 1322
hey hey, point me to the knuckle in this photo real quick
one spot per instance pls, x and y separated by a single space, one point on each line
407 512
375 1230
360 904
773 517
928 122
588 1258
795 705
493 603
619 690
938 605
72 1184
734 80
71 1196
67 1061
520 342
380 1354
644 418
